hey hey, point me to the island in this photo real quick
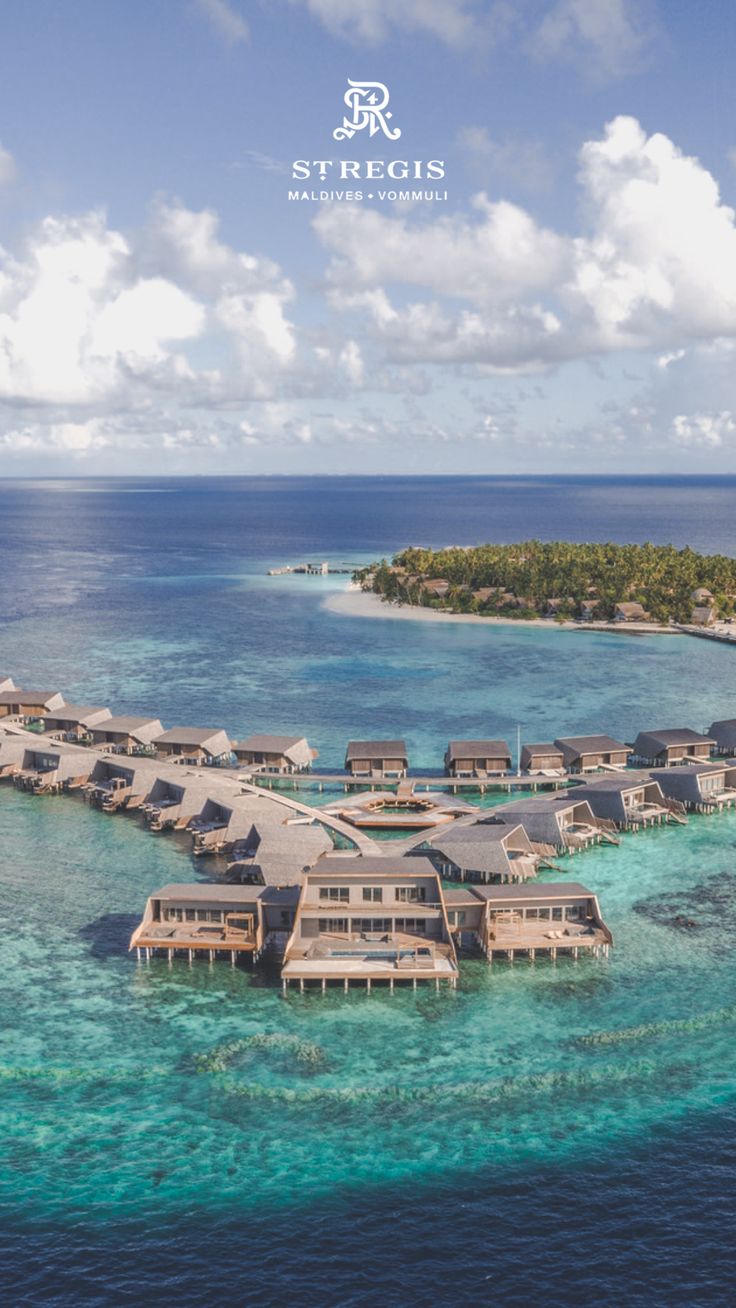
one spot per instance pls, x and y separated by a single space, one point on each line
561 580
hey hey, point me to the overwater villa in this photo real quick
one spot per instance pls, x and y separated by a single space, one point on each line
629 801
48 772
125 735
29 705
74 721
701 787
587 753
557 825
113 786
477 758
277 853
193 745
211 920
280 755
377 759
370 919
563 917
674 745
404 810
482 851
171 805
6 683
544 760
724 735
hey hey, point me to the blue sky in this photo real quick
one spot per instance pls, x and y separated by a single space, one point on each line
569 306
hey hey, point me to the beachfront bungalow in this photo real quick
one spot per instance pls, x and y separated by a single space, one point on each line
482 851
701 595
370 919
558 604
556 825
631 611
560 917
377 759
477 758
588 610
436 587
701 787
586 753
281 755
193 745
6 683
29 705
628 801
703 615
544 760
674 745
73 721
45 771
125 735
724 735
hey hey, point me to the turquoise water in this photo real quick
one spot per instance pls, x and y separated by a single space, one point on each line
132 1085
171 1134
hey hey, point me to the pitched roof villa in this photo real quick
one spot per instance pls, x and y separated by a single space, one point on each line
673 745
555 826
377 758
628 801
542 759
723 733
560 917
586 753
75 720
193 744
701 787
279 754
6 683
477 758
483 852
631 611
126 733
32 704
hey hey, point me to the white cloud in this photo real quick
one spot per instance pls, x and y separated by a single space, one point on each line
654 268
225 19
374 21
7 167
704 430
606 38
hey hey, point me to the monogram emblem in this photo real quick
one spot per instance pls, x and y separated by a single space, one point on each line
367 103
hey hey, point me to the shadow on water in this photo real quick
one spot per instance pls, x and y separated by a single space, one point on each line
108 936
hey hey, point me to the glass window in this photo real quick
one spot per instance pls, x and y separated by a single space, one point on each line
372 894
215 915
335 894
411 894
556 914
532 913
191 915
544 914
201 914
334 924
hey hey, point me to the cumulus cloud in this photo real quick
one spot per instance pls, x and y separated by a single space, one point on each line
653 268
704 430
374 21
225 20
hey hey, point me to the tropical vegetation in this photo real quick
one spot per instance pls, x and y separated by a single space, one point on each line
560 579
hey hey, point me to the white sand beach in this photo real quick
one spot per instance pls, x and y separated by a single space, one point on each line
356 603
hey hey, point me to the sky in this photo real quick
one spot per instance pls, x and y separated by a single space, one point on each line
561 300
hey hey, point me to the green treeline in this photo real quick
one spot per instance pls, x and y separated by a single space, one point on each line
560 579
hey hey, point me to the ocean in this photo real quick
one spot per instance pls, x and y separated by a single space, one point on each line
548 1133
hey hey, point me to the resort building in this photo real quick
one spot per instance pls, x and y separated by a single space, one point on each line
477 758
45 771
724 735
481 851
370 919
662 749
404 810
170 805
544 760
631 611
564 917
377 759
703 615
701 787
73 721
193 745
701 595
276 754
628 801
114 786
12 750
556 825
202 919
588 610
125 735
277 853
557 605
436 587
29 705
586 753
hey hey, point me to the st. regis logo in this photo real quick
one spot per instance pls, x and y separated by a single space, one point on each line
367 103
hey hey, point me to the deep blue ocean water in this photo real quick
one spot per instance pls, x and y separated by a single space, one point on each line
477 1148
